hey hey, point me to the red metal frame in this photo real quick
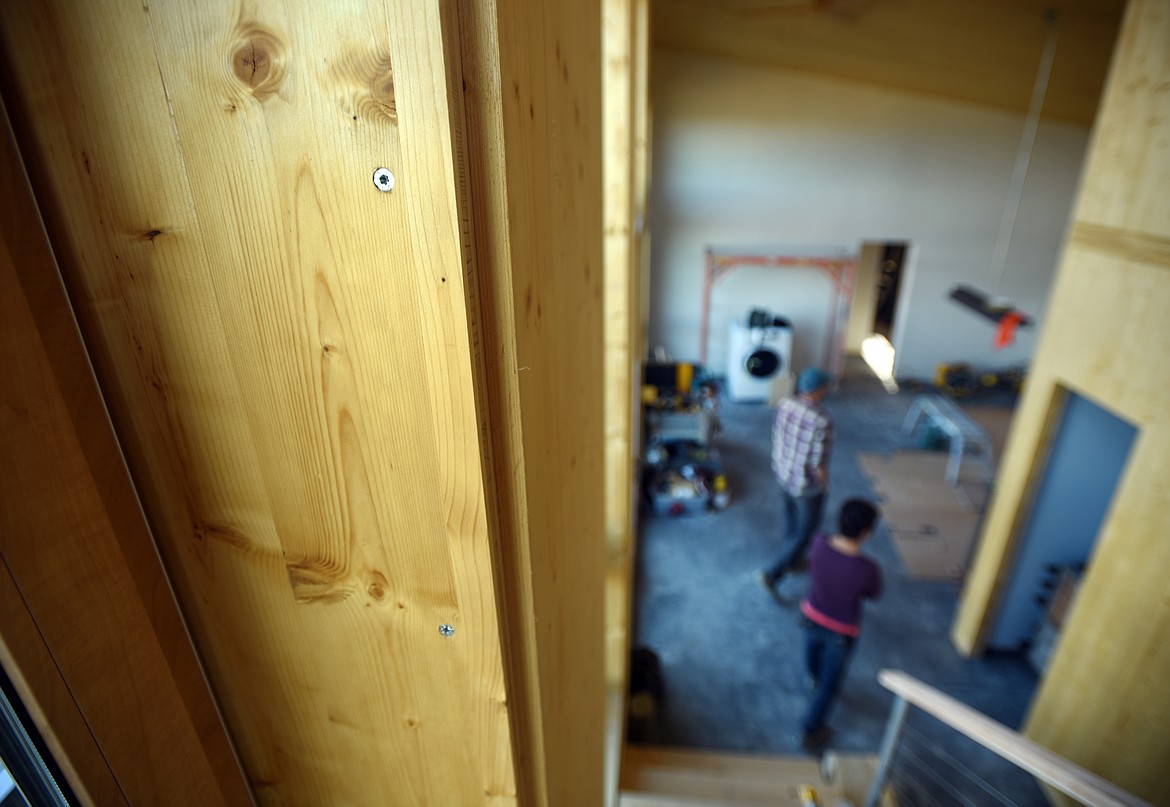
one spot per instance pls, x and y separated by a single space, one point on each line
841 272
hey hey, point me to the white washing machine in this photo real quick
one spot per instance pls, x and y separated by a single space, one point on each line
757 356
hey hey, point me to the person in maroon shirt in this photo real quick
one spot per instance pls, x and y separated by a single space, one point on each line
840 579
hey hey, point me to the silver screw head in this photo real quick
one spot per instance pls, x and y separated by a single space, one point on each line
447 630
384 180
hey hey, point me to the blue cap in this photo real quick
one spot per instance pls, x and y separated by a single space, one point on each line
812 379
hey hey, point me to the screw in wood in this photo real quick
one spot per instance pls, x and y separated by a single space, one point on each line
384 180
447 630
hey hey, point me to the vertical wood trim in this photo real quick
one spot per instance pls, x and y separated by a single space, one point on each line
535 139
861 307
472 39
1022 469
92 635
643 171
619 301
639 271
617 48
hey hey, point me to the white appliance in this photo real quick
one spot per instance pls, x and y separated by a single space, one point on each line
758 355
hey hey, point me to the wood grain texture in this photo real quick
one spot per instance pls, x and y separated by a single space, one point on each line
91 633
481 156
551 68
624 53
286 351
1112 661
536 153
619 300
620 316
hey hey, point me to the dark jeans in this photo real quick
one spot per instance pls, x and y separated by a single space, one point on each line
826 657
802 516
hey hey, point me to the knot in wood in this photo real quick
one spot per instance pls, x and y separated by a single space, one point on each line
258 60
365 84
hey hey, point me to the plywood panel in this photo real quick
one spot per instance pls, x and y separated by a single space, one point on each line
286 349
931 524
91 635
1107 338
1127 172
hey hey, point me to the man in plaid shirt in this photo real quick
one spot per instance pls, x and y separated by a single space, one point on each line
802 437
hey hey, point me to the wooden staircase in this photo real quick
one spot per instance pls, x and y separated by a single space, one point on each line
663 777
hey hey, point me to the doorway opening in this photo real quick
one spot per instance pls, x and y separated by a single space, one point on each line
872 320
1087 458
889 282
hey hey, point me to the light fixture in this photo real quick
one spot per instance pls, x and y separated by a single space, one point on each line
992 306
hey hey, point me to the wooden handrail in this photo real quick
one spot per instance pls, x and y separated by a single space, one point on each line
1044 764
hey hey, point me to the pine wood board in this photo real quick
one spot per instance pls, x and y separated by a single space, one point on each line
286 353
545 139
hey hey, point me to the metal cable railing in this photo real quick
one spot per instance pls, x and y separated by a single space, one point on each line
950 763
924 772
919 768
914 779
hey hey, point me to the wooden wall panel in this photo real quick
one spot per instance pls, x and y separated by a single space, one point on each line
1104 701
1126 173
90 633
286 352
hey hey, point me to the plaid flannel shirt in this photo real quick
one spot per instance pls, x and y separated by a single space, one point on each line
802 437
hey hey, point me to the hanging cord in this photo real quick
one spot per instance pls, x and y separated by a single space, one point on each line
1007 225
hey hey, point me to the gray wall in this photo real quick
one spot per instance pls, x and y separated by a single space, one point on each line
751 156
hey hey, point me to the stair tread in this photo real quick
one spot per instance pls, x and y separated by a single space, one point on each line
638 799
661 777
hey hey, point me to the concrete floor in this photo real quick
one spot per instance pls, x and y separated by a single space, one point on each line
731 656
